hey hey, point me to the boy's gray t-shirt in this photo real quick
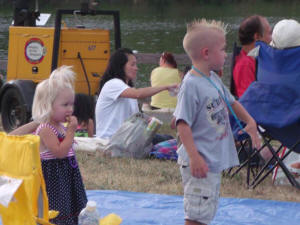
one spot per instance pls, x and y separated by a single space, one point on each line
203 109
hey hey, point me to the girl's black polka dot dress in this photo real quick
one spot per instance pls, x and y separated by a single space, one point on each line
65 188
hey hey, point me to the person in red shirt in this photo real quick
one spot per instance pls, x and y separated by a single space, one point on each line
252 29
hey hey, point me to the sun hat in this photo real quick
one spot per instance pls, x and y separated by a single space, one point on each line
286 33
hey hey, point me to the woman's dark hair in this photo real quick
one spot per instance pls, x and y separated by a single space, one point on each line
83 108
249 27
169 58
115 68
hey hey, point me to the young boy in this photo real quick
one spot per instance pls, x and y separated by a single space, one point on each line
203 124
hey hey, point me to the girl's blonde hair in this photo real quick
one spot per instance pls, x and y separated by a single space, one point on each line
47 91
201 33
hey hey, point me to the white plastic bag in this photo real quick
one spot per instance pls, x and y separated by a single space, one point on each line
133 138
90 144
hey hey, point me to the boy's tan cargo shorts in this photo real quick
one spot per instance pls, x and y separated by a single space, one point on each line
201 196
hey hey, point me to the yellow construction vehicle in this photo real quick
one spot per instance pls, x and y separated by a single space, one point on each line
34 52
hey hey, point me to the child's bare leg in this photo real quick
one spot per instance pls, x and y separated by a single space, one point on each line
190 222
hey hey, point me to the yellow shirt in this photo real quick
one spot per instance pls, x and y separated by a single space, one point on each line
161 76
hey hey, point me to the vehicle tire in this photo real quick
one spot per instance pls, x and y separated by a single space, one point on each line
13 110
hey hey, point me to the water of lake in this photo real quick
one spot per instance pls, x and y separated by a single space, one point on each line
157 26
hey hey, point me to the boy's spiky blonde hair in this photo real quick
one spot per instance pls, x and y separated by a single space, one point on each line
212 24
201 33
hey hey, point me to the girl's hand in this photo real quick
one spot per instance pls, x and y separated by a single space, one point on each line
72 123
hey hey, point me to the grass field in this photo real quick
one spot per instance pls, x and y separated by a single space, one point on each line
163 177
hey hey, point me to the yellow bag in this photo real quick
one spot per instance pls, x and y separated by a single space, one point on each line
20 159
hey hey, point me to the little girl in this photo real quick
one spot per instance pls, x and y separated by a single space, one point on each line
52 106
84 112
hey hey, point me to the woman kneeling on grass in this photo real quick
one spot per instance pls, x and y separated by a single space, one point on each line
118 98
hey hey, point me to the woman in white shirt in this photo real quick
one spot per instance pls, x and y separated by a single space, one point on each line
118 98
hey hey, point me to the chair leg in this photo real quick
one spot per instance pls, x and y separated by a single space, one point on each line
276 167
243 164
239 151
248 162
258 179
279 161
255 177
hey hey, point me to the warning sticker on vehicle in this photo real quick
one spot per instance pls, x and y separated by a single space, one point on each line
34 50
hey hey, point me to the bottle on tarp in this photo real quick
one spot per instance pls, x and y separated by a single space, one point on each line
89 215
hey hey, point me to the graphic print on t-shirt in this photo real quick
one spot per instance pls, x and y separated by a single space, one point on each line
217 116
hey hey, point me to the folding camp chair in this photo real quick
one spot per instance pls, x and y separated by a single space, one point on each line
243 143
20 159
274 102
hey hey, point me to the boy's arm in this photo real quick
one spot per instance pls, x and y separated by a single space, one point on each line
251 127
198 165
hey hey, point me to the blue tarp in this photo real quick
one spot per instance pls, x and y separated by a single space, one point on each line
155 209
